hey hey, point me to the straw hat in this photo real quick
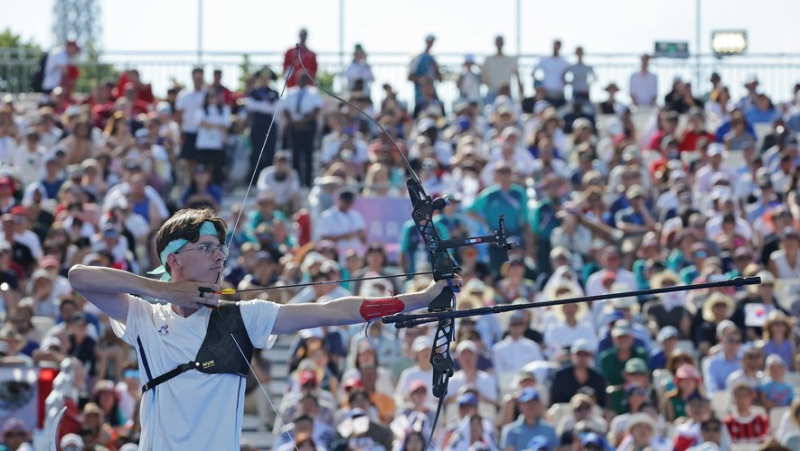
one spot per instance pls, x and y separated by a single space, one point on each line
567 291
717 298
777 316
658 280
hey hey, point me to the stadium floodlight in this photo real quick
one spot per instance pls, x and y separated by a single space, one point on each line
728 42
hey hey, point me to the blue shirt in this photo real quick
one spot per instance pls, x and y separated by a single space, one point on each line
784 350
518 434
717 370
780 393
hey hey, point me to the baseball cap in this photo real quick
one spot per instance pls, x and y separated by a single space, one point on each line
71 440
715 149
582 345
635 388
666 333
538 443
687 371
775 359
636 366
430 37
308 376
14 424
466 345
622 327
467 399
529 394
417 385
49 261
421 344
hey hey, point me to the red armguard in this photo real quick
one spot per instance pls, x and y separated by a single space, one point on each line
378 308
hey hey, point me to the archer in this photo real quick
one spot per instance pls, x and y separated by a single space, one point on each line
192 359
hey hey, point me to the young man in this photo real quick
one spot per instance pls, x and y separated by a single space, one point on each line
194 399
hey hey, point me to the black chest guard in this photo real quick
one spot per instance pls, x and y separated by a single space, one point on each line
219 352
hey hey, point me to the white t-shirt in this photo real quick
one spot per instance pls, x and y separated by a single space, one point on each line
644 88
511 355
498 69
189 103
57 60
337 222
212 138
194 410
553 69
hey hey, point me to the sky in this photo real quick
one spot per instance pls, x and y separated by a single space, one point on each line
461 26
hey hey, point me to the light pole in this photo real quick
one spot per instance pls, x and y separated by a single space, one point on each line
698 78
199 32
519 28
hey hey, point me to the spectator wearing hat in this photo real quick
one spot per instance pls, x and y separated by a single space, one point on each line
7 199
359 73
517 435
760 298
307 383
689 433
745 424
283 181
642 431
669 309
613 361
294 63
611 271
304 425
471 433
583 412
16 435
470 376
667 339
424 66
778 338
469 80
417 404
611 105
644 85
750 100
774 391
578 375
688 383
515 351
570 323
71 442
421 371
716 308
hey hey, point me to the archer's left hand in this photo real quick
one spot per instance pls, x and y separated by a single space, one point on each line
437 286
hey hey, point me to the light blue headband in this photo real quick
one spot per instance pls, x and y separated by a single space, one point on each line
207 228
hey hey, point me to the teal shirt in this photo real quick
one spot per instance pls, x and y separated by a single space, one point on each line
493 202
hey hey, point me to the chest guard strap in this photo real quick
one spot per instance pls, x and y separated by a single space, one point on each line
219 352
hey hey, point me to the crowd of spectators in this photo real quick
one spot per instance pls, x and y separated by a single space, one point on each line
603 197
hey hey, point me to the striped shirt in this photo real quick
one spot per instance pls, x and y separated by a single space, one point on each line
752 428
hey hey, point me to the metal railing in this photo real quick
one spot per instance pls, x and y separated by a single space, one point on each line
777 73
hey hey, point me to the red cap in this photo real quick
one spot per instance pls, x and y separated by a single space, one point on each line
74 43
352 382
307 376
19 210
50 261
5 181
416 385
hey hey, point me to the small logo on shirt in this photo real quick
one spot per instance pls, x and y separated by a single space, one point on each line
164 330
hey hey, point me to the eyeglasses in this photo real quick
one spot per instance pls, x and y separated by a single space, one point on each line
209 249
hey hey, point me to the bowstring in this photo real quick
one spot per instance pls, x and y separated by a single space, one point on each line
289 75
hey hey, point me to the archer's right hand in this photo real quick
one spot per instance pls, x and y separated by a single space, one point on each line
187 294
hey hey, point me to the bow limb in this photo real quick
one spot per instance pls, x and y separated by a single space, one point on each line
53 432
443 265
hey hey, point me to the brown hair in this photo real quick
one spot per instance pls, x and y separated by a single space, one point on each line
186 224
673 360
